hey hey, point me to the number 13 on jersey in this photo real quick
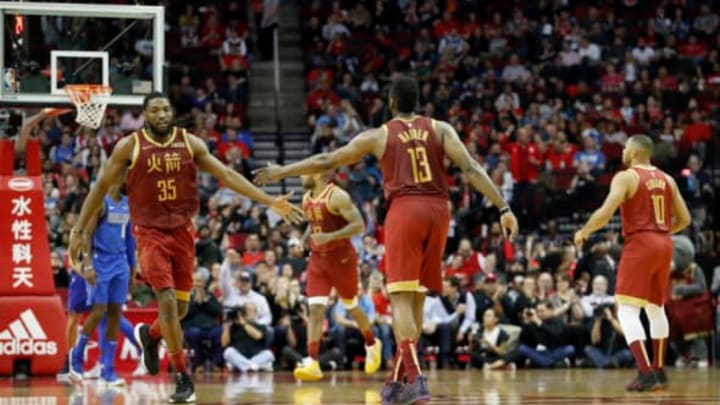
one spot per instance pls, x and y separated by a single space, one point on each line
420 164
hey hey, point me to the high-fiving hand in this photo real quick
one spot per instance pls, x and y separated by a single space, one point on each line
509 225
272 173
289 212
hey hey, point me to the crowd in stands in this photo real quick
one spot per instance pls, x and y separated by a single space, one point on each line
543 94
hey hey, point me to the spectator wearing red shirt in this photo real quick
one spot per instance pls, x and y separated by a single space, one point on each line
667 82
559 157
253 253
696 133
317 98
231 141
525 161
612 81
693 49
465 263
211 34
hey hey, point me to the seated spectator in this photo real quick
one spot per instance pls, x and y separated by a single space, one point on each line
465 263
244 341
597 298
238 292
61 277
565 302
461 307
590 155
607 346
514 71
296 257
382 326
437 330
253 250
544 340
589 50
489 343
201 326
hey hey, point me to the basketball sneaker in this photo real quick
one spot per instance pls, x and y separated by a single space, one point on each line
661 379
373 357
149 357
184 390
308 370
110 379
390 391
417 391
76 364
643 382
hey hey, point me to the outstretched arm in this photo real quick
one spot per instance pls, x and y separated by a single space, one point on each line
619 188
109 175
477 176
209 163
341 203
31 124
362 145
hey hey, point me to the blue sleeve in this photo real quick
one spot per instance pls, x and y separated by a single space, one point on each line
130 246
369 307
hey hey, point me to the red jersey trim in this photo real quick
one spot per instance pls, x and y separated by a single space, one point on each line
136 150
160 144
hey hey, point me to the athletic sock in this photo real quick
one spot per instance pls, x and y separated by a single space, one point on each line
128 330
108 356
641 359
313 350
659 350
178 362
155 331
398 371
81 342
408 354
102 327
369 337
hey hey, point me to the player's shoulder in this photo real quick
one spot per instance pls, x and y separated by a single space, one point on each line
338 195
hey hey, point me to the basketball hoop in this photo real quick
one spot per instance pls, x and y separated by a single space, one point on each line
90 101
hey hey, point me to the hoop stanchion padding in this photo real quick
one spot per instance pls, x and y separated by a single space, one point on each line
33 164
7 157
90 101
32 328
24 251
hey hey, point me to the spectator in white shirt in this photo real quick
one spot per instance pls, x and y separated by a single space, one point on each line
234 43
513 71
589 50
598 297
239 292
437 329
643 53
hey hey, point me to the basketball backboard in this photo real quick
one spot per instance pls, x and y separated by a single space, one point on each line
49 45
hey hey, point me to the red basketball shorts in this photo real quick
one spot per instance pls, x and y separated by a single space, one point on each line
167 258
337 269
416 229
644 270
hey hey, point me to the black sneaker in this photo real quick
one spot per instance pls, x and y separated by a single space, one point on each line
643 382
661 379
184 390
149 357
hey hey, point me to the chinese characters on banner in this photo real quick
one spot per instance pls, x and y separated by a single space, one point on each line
24 254
21 246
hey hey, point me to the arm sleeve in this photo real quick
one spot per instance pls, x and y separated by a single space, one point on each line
226 286
264 314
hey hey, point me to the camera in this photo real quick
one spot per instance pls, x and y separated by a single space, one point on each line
234 313
599 311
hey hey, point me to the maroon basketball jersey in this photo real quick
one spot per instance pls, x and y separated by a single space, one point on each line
322 220
413 159
650 208
161 181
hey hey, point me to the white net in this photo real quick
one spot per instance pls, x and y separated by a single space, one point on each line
90 101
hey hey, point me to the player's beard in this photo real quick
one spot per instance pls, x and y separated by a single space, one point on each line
157 131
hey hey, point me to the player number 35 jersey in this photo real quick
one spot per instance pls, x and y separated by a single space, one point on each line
162 181
322 219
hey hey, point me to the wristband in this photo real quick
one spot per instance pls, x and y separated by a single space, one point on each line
504 210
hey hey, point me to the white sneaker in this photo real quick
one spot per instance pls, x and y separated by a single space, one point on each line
254 367
268 367
139 370
118 382
703 364
93 373
680 363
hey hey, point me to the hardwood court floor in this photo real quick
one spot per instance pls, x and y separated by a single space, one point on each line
587 387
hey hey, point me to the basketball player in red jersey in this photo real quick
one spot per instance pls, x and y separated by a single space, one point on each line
332 220
411 150
162 162
651 209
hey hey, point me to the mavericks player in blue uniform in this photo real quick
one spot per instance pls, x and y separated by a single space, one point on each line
108 278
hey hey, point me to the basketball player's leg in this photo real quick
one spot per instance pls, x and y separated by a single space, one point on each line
98 297
632 292
655 310
345 282
318 290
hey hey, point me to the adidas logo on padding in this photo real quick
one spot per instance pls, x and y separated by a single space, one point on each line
25 336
